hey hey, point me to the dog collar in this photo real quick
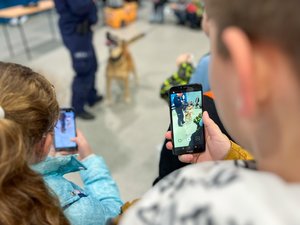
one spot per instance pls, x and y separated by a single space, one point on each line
116 59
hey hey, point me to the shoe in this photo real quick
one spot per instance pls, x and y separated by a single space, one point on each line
23 19
98 99
14 22
85 115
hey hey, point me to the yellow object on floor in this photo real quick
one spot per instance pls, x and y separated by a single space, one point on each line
120 17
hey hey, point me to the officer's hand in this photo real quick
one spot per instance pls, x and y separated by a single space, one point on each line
217 144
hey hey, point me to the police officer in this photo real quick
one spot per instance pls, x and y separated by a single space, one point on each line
75 21
179 104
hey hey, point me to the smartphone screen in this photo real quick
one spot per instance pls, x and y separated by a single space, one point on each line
186 111
64 130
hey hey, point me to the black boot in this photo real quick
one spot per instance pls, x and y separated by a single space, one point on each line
85 115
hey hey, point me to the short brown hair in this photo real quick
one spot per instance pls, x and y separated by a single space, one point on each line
275 21
28 99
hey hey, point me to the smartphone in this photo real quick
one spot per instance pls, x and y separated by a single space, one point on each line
64 130
186 110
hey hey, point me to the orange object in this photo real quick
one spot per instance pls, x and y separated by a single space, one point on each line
209 94
130 11
121 17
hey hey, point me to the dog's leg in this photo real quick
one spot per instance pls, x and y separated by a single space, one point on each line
136 77
108 89
126 90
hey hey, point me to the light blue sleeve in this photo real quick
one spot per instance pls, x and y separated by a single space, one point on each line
87 211
99 184
201 73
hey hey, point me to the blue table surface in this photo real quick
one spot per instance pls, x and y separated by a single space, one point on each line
9 3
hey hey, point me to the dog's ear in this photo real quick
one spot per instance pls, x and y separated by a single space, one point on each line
107 35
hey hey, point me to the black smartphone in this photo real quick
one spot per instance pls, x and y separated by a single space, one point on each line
186 110
64 130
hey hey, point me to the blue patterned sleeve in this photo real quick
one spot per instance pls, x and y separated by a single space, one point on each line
99 184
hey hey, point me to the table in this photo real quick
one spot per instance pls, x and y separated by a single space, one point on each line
18 11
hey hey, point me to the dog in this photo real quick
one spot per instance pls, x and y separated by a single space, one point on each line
189 113
120 64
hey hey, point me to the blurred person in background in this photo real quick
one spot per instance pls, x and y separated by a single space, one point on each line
158 11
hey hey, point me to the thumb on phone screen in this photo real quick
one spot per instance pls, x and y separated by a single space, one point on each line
84 149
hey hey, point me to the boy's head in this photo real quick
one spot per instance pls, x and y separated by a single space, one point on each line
255 65
269 20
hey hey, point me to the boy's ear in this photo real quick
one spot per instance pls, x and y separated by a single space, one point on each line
242 57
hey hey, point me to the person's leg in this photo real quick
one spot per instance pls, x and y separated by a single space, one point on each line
194 21
83 59
153 18
93 97
180 15
180 116
178 113
189 19
81 86
160 12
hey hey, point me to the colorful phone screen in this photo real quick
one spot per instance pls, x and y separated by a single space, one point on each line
64 130
186 115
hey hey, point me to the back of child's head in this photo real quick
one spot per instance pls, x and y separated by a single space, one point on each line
273 21
24 198
28 99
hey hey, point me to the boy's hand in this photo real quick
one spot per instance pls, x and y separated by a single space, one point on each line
217 144
184 58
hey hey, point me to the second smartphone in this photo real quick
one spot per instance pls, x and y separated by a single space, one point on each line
186 109
64 130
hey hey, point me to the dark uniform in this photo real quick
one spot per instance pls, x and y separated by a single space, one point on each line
178 102
76 18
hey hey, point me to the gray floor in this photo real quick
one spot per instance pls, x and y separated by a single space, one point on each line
128 136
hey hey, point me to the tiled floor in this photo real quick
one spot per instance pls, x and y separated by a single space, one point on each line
128 136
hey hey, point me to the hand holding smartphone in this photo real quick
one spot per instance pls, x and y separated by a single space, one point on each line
65 130
186 110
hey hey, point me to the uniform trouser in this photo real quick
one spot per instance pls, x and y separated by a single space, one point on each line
85 65
180 115
194 20
181 16
158 10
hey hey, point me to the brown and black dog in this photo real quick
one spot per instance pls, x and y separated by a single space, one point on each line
120 64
